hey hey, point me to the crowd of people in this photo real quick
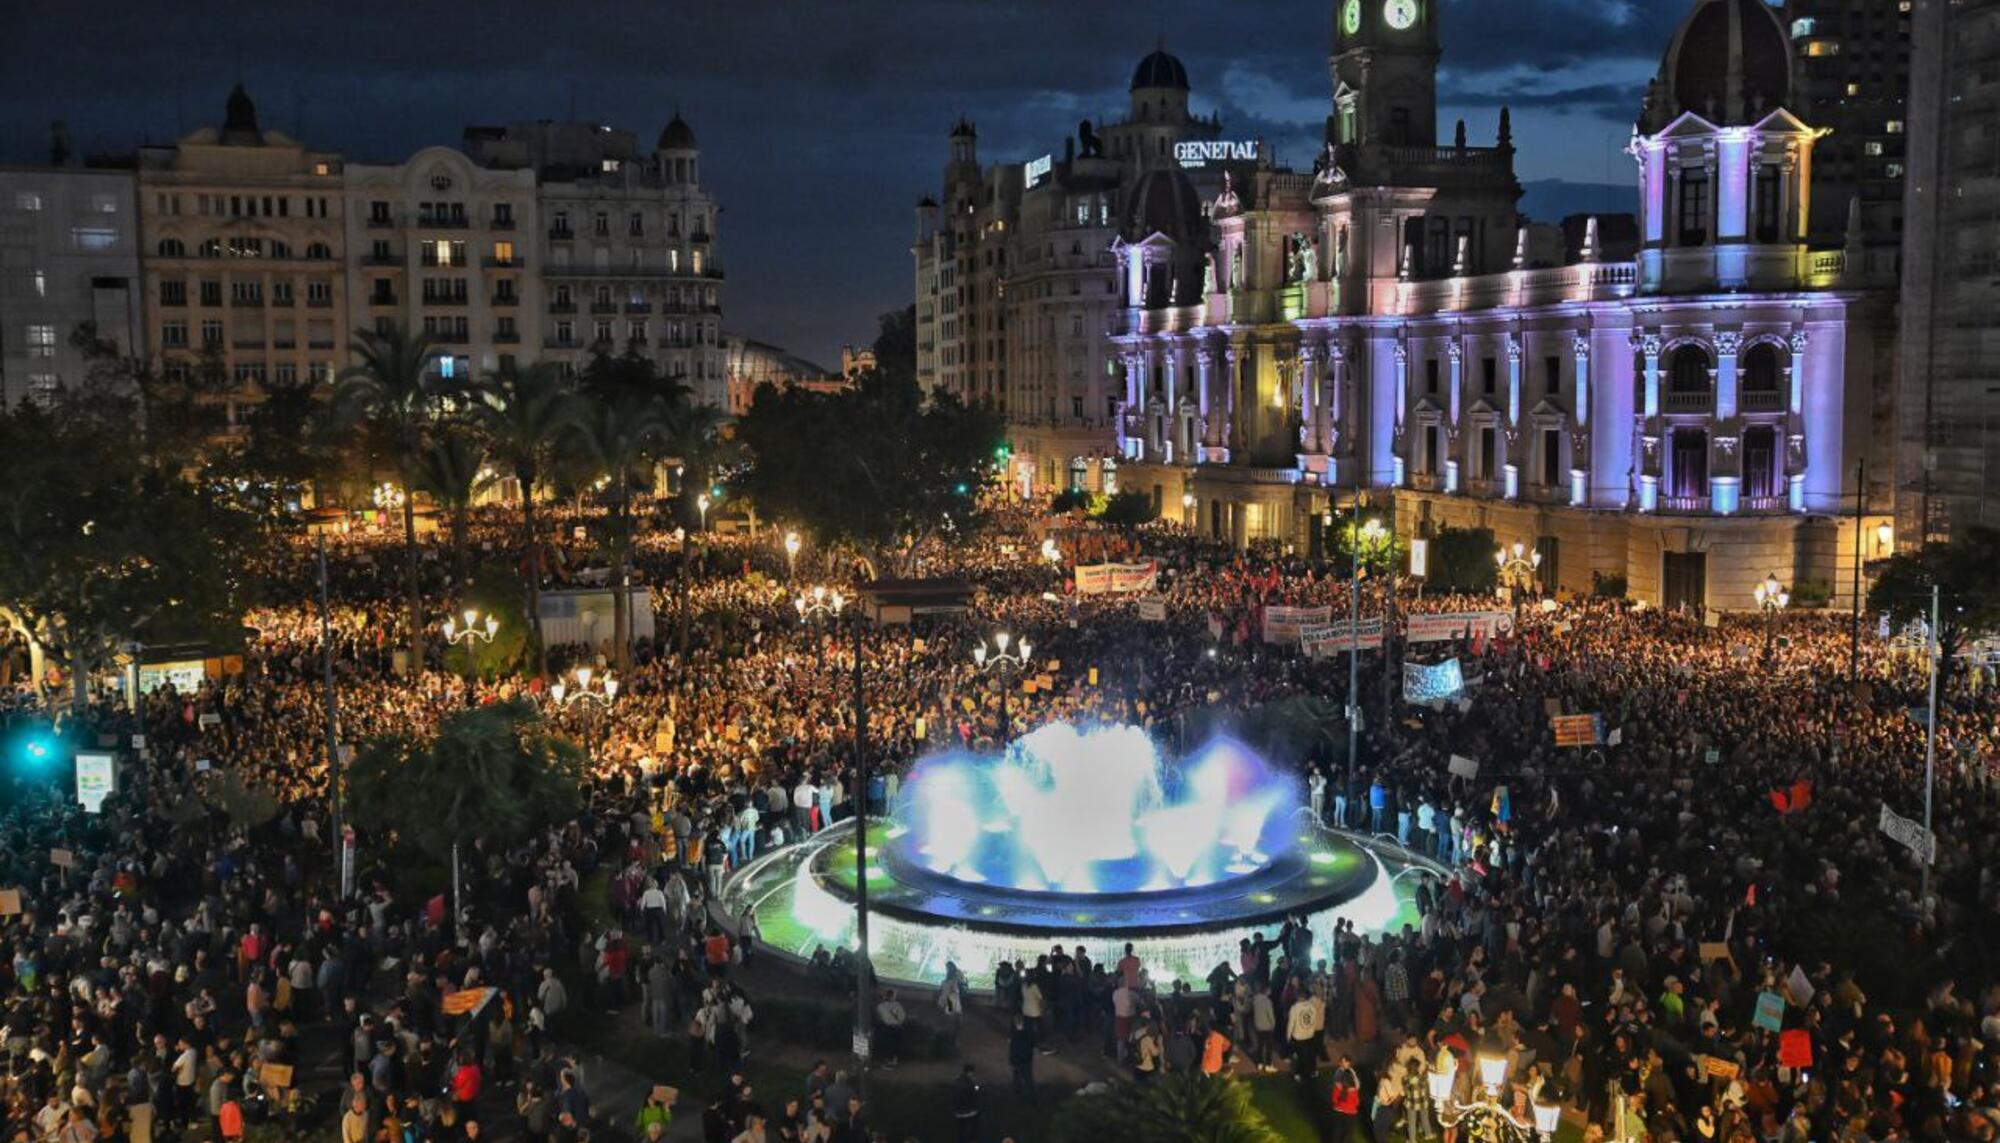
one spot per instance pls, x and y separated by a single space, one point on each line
1611 919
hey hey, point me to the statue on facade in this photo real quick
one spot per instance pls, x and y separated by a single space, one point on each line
1088 145
1207 274
1308 259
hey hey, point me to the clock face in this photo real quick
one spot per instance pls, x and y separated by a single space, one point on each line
1350 17
1400 13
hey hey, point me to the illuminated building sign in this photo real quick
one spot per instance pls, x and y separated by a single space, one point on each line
1200 153
1039 169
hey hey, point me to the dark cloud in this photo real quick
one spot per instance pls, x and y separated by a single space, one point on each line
820 123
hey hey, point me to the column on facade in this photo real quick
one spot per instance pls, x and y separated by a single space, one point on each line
1239 409
1648 425
1579 442
1795 426
1511 436
1402 446
1452 468
1170 428
1338 433
1725 473
1312 386
1211 405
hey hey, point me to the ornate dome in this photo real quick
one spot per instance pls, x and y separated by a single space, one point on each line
677 135
1160 70
963 130
1164 201
1729 63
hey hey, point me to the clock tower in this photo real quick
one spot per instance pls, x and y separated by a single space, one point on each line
1384 65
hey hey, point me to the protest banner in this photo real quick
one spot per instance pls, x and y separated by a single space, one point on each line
1770 1014
1578 729
1282 624
277 1076
1432 682
1322 639
1716 1067
1457 625
1152 609
62 858
1795 1048
1909 833
1463 767
10 902
1117 579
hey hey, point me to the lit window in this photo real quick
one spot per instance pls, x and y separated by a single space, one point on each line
1823 48
41 341
1802 27
1894 127
503 252
1854 89
93 237
27 200
1871 148
1892 170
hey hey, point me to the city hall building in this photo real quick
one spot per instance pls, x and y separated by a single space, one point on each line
1686 406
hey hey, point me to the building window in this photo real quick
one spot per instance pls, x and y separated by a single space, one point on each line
319 251
319 294
1552 376
565 333
172 248
1551 458
1694 206
1431 376
27 201
503 214
1488 447
503 253
211 334
1489 375
600 224
41 340
173 293
602 333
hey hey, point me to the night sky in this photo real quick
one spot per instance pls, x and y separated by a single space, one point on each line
821 123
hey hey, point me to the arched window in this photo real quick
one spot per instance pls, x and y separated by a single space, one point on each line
1079 473
172 248
280 248
1689 371
211 248
1761 372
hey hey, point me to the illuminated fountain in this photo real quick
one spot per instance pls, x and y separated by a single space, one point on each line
1076 836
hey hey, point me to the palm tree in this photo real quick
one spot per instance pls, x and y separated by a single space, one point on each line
451 468
620 432
690 438
392 388
524 415
1175 1109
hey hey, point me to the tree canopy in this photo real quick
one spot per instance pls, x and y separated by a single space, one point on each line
1174 1109
102 545
1967 574
877 467
494 772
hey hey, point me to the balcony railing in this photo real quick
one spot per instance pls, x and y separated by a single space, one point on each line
1766 504
604 307
562 307
506 337
506 299
319 303
1684 504
381 299
501 223
561 233
1688 402
444 222
1763 401
638 307
562 343
502 263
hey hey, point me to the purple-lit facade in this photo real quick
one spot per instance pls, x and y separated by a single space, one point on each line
1688 415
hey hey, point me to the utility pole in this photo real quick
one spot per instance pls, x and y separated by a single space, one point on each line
332 720
864 984
1930 750
1354 642
1854 629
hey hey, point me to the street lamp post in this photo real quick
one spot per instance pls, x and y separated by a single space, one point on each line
475 630
601 696
819 604
702 502
1369 532
1518 566
1003 664
791 555
1187 510
1771 599
1485 1114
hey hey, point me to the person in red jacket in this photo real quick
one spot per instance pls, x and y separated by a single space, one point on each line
1346 1100
466 1081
